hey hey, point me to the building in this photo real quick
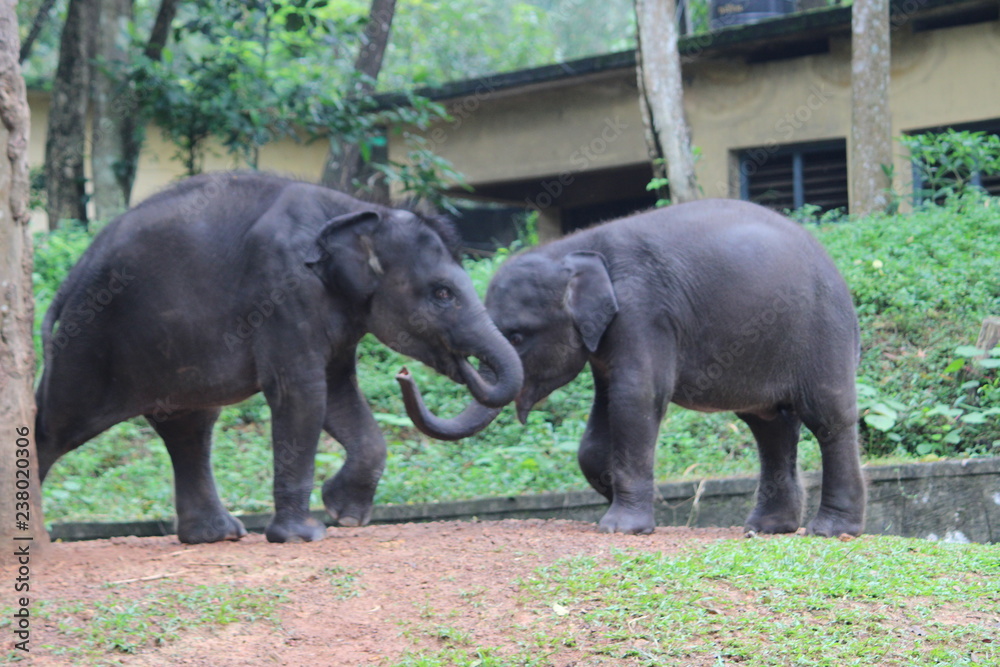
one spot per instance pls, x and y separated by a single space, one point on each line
769 105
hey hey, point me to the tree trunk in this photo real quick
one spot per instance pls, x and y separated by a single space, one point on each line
871 122
21 527
41 18
110 110
660 78
344 162
65 182
133 123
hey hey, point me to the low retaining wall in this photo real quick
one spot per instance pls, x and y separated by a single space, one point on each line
951 500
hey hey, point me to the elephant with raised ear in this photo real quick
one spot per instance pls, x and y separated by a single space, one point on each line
715 305
228 284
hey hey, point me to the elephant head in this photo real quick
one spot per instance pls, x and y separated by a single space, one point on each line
554 311
402 272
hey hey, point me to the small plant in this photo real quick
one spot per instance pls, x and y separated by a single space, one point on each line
947 162
344 582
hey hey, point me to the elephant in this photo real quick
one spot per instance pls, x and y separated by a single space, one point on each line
233 283
713 305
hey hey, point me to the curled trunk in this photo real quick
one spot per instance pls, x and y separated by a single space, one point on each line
473 419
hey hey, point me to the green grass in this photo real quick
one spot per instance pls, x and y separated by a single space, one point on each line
922 283
107 630
785 601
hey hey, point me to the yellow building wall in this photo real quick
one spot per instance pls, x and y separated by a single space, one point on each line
943 76
158 166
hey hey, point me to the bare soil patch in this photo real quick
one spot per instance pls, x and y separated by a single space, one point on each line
363 596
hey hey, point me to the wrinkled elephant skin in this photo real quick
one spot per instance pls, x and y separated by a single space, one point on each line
712 305
228 284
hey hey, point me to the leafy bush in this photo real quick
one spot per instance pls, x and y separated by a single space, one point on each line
948 161
922 284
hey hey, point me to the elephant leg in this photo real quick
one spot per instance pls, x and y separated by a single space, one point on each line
779 493
635 412
298 406
843 499
201 516
349 495
594 455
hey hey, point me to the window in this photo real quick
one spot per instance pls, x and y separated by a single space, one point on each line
966 156
789 177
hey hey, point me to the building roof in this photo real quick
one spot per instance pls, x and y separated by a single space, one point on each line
799 34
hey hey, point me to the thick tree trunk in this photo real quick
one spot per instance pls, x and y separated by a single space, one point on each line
65 145
111 108
344 162
660 79
21 527
871 122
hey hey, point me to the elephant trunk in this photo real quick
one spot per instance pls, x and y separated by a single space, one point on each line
500 374
472 420
496 383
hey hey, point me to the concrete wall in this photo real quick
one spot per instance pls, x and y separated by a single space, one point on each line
956 501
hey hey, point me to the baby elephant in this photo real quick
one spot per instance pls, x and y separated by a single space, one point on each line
712 305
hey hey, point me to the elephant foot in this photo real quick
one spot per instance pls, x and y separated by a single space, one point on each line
212 528
344 506
771 522
830 523
295 529
629 521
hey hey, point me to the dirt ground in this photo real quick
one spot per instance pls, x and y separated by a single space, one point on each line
398 582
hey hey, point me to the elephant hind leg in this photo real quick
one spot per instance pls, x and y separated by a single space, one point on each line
780 498
201 516
842 503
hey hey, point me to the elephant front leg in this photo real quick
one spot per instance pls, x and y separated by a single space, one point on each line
297 418
594 455
349 495
201 516
634 418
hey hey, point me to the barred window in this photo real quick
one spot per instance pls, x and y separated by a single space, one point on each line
789 177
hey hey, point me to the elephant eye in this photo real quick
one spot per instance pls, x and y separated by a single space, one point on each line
516 338
443 294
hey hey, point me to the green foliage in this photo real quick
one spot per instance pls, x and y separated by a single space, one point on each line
434 41
947 161
249 73
921 285
871 601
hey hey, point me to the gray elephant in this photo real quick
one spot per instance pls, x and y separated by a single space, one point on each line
712 305
228 284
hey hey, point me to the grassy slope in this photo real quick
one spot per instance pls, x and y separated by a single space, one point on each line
922 283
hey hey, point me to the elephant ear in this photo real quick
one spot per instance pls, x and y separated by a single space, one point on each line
344 253
590 296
